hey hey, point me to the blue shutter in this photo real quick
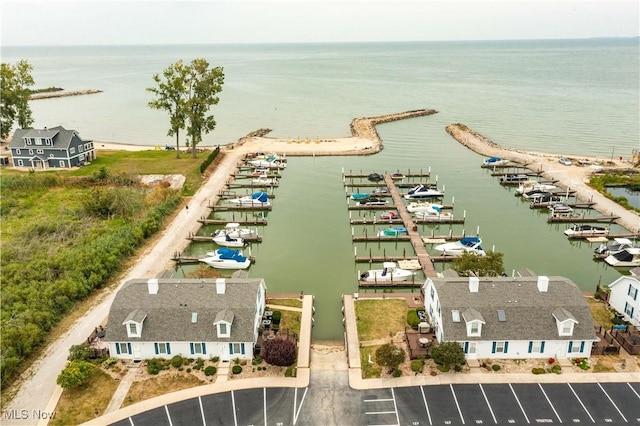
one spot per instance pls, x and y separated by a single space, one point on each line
466 347
204 348
570 346
230 348
542 348
191 347
582 346
635 295
493 348
117 348
530 347
129 348
155 346
168 349
242 348
506 347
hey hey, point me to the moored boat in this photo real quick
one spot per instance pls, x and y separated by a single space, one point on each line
627 258
414 207
390 272
375 177
494 161
359 197
226 258
255 199
578 231
392 232
234 230
422 192
390 215
513 179
224 239
434 214
465 245
616 246
397 176
372 201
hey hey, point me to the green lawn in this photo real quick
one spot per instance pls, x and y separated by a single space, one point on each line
377 319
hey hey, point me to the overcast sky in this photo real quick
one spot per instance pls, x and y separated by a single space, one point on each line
108 22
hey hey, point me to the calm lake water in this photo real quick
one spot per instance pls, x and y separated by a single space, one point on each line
573 97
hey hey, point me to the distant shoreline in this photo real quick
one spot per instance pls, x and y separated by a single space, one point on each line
63 94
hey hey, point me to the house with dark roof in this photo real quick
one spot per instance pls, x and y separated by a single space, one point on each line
50 148
624 297
194 318
511 317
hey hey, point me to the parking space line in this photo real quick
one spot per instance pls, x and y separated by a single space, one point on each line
426 406
204 421
395 406
633 390
549 401
456 401
378 400
166 409
131 421
378 412
264 404
296 412
488 403
233 403
580 401
613 403
519 404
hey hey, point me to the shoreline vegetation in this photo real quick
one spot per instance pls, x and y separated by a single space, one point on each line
57 92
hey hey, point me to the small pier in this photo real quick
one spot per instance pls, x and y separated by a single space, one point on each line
608 236
582 219
577 205
256 221
229 208
180 259
204 238
253 185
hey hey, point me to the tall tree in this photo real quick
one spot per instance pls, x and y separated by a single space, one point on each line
171 96
204 85
15 83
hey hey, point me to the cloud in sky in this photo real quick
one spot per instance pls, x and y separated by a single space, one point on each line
108 22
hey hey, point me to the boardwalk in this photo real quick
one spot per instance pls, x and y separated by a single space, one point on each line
416 239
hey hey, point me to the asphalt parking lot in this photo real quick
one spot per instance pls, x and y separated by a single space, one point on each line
458 404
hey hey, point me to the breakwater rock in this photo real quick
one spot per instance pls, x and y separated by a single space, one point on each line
63 94
365 127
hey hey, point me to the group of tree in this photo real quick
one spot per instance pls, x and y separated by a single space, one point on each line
15 83
469 264
187 92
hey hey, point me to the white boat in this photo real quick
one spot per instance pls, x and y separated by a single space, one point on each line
264 180
255 199
629 257
260 171
560 209
434 214
616 246
372 201
271 161
397 176
389 273
577 231
226 258
233 229
494 161
380 191
414 207
225 240
422 192
392 232
465 245
532 185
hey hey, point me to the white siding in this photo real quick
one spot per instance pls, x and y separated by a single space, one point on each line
146 350
620 298
519 349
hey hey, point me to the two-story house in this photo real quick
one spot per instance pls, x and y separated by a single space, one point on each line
50 148
511 317
625 298
188 317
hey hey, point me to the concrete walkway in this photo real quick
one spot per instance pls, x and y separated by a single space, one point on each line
121 392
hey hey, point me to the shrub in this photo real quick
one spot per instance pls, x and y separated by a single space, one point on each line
236 369
81 352
215 358
236 361
210 370
257 360
538 370
457 368
556 368
390 356
447 353
207 161
75 374
495 367
188 370
199 364
109 362
280 351
412 318
276 317
291 371
176 361
397 373
416 365
443 368
155 365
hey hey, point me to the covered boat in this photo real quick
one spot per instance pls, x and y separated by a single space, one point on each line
627 258
616 246
397 176
392 232
422 192
577 231
375 177
390 215
465 245
414 207
255 199
226 258
495 161
372 201
264 180
434 213
389 273
359 197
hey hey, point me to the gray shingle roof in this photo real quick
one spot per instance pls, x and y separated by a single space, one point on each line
169 313
60 136
528 312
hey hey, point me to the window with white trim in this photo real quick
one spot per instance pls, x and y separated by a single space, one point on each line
162 348
17 151
223 328
122 348
536 347
30 152
574 346
133 329
197 348
500 347
61 163
20 163
38 141
633 292
628 309
72 150
567 328
40 151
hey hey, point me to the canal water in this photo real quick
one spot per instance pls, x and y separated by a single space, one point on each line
307 243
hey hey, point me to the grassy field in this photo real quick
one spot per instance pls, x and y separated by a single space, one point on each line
293 303
380 318
600 312
138 162
85 402
160 385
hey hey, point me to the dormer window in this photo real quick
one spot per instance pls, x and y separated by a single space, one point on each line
474 321
223 322
564 321
474 328
133 323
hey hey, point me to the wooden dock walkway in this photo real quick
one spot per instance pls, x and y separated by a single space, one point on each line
416 241
255 221
204 238
582 219
229 208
